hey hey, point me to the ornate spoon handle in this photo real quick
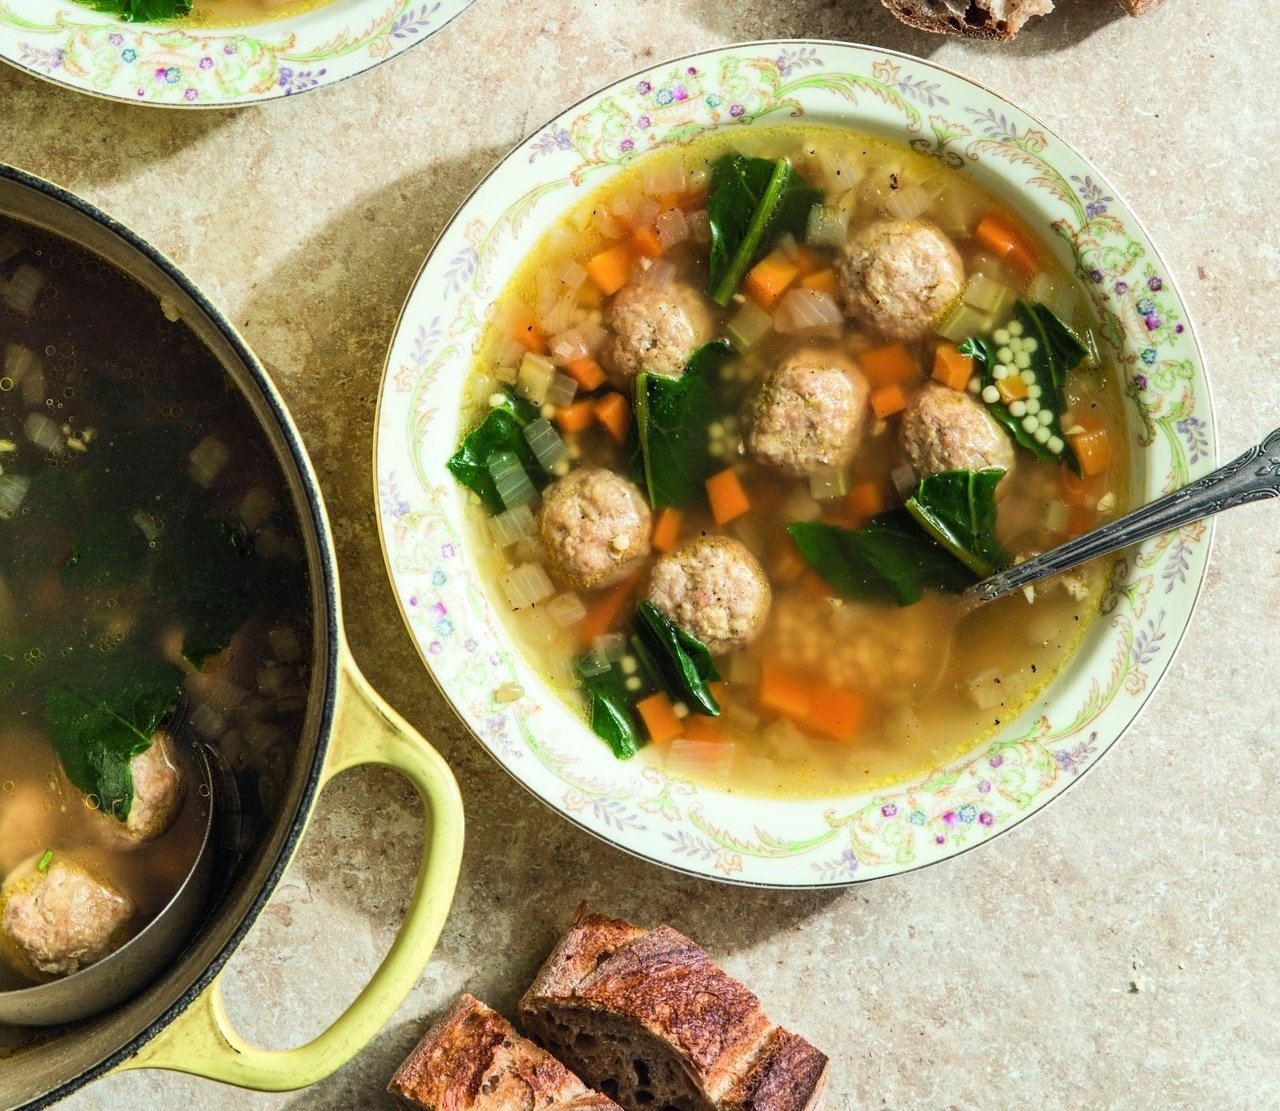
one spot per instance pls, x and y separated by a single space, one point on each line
1254 476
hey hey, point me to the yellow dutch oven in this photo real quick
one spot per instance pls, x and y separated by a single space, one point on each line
178 1021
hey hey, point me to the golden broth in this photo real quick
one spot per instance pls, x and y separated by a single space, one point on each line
937 678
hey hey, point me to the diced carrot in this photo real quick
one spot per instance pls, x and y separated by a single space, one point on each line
889 366
700 727
1093 449
586 372
529 335
666 529
866 499
645 241
611 268
659 717
783 691
836 713
590 296
951 368
727 497
1012 388
614 412
887 400
769 278
604 612
824 281
1007 244
575 416
1079 491
805 261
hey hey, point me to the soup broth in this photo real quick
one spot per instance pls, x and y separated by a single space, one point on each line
152 597
832 690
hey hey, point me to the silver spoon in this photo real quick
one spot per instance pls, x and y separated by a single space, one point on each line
1254 476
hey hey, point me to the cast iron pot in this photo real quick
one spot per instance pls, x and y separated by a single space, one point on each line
179 1021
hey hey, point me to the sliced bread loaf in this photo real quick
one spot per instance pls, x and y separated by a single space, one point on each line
473 1060
647 1018
972 19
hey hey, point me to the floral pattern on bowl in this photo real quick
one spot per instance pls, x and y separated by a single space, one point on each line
188 66
545 745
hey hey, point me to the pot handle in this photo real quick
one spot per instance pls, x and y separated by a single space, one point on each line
202 1041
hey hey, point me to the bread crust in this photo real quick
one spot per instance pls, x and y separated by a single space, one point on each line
472 1059
1139 7
664 989
989 28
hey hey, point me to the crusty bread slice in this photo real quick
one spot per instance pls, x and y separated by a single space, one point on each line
971 19
473 1060
648 1019
1138 7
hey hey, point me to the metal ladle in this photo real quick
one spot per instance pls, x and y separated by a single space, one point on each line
1254 476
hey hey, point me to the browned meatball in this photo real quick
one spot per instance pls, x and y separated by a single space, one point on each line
809 413
62 919
655 328
595 525
950 430
158 787
715 589
897 276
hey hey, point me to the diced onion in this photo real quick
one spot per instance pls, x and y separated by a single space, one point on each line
664 176
508 375
507 351
146 525
612 646
511 525
988 296
699 226
593 663
962 322
19 361
513 485
671 228
801 506
828 483
207 459
741 719
905 480
700 758
1058 296
568 346
13 488
837 170
10 244
561 391
23 289
1057 517
788 246
908 203
808 312
827 226
573 275
566 609
42 431
644 212
985 689
545 443
560 315
750 324
534 377
659 273
607 224
255 507
527 585
593 334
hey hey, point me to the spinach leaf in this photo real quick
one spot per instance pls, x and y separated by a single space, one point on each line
680 658
958 509
708 361
1058 350
110 552
501 430
672 418
889 559
613 718
752 202
103 714
143 11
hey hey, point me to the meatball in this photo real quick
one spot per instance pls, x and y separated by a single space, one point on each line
714 589
595 525
158 787
809 413
898 276
949 430
62 919
655 328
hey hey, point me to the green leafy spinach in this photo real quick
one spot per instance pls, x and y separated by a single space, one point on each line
501 430
680 658
143 11
958 509
672 419
612 713
752 202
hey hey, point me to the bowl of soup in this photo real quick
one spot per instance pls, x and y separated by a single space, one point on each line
709 405
211 53
174 684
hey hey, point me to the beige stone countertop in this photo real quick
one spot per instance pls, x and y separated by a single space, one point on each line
1120 950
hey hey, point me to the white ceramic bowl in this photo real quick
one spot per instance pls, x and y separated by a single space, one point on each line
849 837
181 65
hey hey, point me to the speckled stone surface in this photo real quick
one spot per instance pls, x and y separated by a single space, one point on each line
1122 949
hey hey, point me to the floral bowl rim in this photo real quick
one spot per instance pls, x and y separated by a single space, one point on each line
843 839
183 65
